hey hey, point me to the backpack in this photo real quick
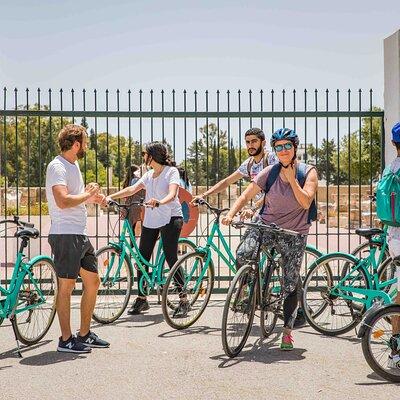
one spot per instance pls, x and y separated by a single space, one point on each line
251 162
301 178
388 198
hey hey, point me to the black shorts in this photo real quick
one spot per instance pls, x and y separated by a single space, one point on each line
71 253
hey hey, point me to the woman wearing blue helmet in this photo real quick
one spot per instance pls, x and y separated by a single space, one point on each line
290 189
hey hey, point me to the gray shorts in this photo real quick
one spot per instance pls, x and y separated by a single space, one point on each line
71 253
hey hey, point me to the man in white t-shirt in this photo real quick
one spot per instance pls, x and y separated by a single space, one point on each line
259 158
70 245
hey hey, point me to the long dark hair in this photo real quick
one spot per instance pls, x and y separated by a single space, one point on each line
129 175
159 153
184 176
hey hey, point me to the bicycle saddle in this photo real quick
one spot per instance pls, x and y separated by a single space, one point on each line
368 232
27 232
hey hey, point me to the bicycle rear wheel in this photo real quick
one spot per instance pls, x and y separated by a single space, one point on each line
115 285
239 309
379 346
271 302
32 325
187 290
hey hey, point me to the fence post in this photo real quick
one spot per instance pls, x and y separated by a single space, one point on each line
392 90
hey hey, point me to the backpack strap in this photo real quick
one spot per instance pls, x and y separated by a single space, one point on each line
265 160
272 177
249 165
251 162
301 178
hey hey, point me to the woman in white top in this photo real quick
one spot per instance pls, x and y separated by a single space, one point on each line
164 215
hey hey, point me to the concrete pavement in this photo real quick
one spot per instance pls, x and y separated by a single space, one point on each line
149 360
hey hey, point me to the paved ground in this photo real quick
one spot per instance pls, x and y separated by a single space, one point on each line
148 360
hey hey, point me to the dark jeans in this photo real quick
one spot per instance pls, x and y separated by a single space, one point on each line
170 236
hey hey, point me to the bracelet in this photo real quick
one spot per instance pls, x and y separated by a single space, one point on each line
157 204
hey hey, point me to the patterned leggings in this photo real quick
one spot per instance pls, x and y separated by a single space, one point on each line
291 248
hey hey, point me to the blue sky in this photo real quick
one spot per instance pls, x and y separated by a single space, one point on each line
195 45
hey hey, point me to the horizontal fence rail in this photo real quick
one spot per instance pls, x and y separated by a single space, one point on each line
341 133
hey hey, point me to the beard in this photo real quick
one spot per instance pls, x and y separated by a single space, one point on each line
257 152
80 154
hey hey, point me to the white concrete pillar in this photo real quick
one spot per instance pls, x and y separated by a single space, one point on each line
392 90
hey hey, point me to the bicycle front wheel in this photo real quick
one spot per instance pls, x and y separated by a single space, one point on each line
380 347
33 323
325 308
187 290
239 309
115 285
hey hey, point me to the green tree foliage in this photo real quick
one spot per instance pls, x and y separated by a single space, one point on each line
359 157
210 159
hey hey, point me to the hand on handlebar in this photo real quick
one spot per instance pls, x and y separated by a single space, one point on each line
226 220
106 201
247 213
152 203
197 200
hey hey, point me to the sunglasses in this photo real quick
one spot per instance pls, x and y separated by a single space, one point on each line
286 146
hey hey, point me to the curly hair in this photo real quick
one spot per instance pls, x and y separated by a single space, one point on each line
69 135
256 132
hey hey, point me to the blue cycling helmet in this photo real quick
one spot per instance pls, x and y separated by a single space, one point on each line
284 134
396 133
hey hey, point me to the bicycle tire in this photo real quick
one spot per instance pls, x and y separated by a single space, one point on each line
241 279
267 295
170 302
28 294
329 300
104 300
371 334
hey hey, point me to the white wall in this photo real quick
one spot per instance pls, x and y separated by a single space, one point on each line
392 90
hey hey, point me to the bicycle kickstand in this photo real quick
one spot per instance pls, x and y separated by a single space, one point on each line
14 323
158 295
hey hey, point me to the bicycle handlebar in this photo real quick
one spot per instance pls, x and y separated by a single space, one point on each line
17 222
126 206
202 202
272 227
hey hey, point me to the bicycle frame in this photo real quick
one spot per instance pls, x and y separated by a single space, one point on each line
376 293
133 252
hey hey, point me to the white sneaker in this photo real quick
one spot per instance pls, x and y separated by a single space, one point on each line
394 361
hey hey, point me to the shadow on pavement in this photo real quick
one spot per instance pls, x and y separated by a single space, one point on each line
351 339
24 349
50 357
152 319
379 381
264 353
193 330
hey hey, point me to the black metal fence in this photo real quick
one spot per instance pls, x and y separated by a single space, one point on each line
341 133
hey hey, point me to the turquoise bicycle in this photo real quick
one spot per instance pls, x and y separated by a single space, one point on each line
116 265
340 287
29 300
199 275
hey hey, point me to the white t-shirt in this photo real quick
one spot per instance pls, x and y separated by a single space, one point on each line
256 168
68 220
158 188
